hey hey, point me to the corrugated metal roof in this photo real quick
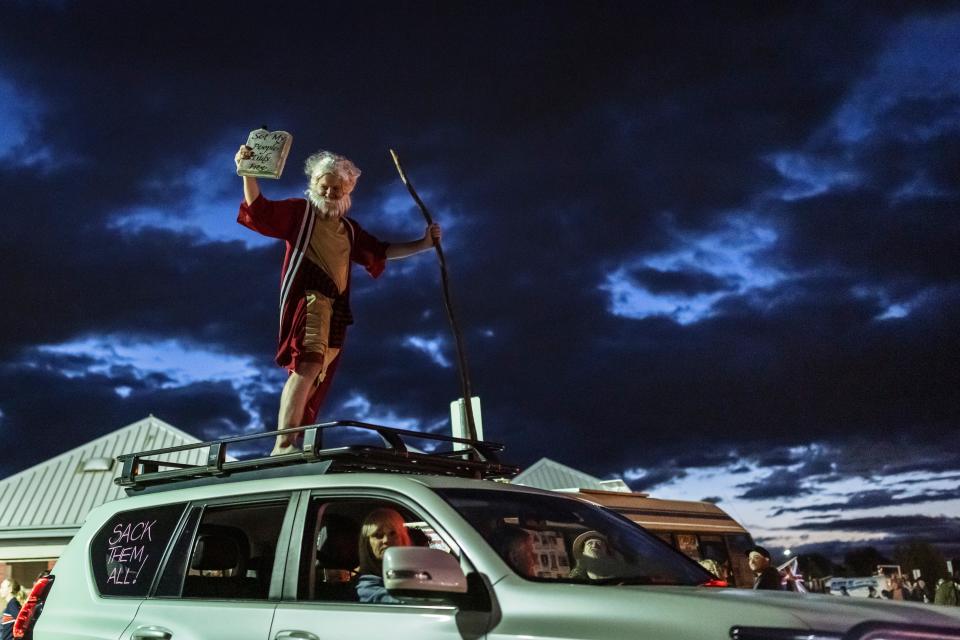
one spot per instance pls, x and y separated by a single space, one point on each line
549 474
666 515
58 493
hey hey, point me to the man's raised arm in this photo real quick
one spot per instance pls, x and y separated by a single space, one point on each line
251 189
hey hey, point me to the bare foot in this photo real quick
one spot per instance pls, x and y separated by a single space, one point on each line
284 449
286 444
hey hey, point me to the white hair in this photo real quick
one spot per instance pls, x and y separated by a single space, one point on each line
323 162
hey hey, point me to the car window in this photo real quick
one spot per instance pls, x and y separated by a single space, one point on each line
714 556
231 553
554 538
126 552
739 545
171 580
337 560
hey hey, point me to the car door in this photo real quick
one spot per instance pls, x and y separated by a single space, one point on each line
320 600
120 560
223 577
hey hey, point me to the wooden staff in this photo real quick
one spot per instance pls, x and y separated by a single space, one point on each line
458 337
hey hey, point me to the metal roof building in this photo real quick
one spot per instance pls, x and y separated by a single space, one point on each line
41 508
695 528
550 474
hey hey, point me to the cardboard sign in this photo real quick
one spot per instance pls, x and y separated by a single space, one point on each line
270 150
551 556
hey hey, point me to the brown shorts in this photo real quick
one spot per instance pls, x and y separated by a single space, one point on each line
316 334
316 337
329 307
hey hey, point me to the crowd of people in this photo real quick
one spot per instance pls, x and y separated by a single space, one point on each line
12 598
905 588
945 592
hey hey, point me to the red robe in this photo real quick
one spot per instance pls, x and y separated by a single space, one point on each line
292 220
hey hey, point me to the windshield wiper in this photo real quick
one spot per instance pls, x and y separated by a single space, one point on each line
640 580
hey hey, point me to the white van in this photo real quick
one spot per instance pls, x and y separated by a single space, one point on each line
268 549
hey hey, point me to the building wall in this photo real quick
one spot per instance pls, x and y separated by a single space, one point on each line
25 572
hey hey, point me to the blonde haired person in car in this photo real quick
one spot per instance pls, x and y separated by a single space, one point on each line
383 528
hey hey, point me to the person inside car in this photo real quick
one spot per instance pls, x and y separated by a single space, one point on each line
383 528
766 576
591 552
515 545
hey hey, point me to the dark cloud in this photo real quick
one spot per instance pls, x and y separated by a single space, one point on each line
779 484
777 457
894 455
915 527
68 411
685 282
913 481
837 550
894 531
705 459
874 499
653 477
905 245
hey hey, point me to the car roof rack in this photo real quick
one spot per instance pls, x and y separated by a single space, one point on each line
475 458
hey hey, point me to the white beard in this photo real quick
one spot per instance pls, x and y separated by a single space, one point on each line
328 208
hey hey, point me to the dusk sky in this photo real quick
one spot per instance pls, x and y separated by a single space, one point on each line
710 248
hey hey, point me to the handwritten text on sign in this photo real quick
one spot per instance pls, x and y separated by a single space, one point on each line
266 147
270 150
127 554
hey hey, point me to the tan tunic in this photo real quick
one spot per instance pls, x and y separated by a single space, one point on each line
329 248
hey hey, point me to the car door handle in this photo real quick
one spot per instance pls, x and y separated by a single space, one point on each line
151 633
295 635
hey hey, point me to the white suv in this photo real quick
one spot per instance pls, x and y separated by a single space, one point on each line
267 549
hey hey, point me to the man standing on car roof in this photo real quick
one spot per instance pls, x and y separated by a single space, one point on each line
315 280
765 575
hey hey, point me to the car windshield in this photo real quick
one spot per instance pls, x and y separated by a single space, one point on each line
559 539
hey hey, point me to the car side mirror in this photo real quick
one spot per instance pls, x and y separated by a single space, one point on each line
413 569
